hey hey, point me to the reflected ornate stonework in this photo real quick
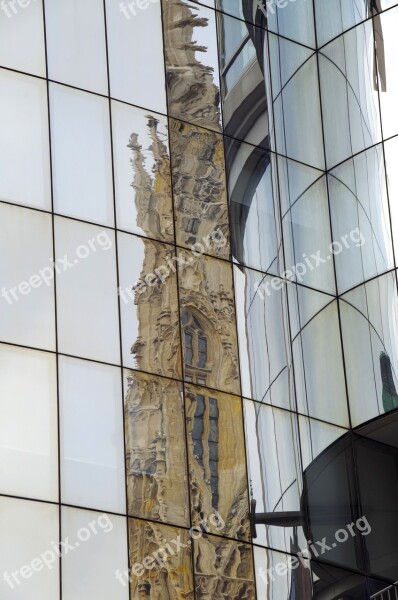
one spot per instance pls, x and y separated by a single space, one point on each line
192 93
199 186
171 580
152 190
155 450
217 466
206 291
223 569
157 346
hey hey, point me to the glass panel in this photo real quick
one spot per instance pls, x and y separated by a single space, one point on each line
199 188
274 465
307 239
349 94
142 172
134 80
294 20
294 180
81 150
155 563
149 306
282 577
28 550
391 155
304 304
223 568
207 306
29 426
298 115
218 479
386 31
319 371
252 212
24 148
360 219
192 63
289 57
27 306
22 38
88 324
91 424
76 43
264 342
335 16
329 579
369 322
99 554
315 437
155 449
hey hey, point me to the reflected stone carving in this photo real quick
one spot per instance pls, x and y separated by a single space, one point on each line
217 469
170 579
199 186
152 190
157 346
155 450
223 569
192 93
206 291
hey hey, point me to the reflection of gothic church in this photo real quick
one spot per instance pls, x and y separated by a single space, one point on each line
160 487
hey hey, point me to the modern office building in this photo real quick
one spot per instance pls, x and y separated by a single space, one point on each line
199 310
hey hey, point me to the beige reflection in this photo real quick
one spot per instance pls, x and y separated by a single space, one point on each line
223 569
208 322
218 479
199 186
171 580
155 450
190 40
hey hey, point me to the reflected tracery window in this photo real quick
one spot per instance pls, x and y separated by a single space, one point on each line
196 349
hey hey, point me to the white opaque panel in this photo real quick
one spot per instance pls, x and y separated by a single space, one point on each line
29 426
91 430
27 288
81 150
135 46
100 550
22 36
24 153
76 43
29 561
87 310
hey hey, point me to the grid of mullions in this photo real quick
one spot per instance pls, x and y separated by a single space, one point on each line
61 208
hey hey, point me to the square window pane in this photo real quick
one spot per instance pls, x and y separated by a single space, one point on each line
27 315
29 426
76 43
99 552
199 189
208 311
91 425
275 472
149 306
142 172
192 63
29 530
150 576
81 150
216 447
135 46
156 462
24 153
88 324
223 568
22 37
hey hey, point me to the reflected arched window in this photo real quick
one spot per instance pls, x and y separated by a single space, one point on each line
196 348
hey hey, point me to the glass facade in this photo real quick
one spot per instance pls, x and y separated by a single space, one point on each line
197 211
